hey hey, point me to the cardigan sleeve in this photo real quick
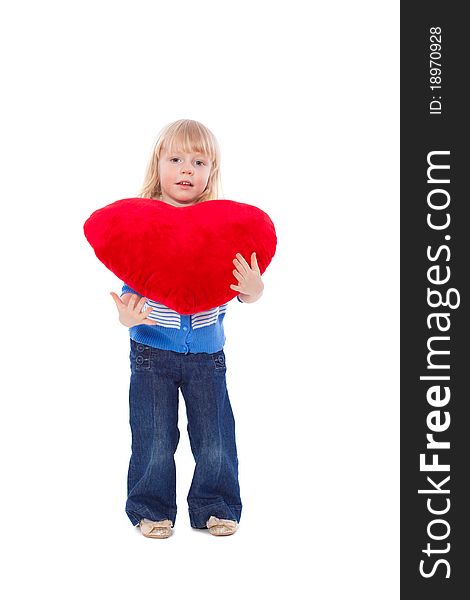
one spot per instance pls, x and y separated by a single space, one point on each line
127 290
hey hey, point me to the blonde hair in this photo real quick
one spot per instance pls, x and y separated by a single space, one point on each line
184 135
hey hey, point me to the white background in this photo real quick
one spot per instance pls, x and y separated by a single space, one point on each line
303 98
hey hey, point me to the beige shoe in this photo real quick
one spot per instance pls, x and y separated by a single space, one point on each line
156 529
218 526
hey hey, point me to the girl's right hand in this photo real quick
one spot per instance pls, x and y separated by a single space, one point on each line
130 314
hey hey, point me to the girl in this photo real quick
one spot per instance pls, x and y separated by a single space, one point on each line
170 351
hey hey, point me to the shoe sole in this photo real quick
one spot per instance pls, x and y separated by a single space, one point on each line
160 537
216 533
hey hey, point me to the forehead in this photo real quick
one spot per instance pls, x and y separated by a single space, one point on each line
189 147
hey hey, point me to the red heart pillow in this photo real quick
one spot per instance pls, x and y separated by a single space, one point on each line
180 256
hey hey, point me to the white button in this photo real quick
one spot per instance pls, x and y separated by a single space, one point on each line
185 329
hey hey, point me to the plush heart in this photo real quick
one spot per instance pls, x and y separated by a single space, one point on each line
180 256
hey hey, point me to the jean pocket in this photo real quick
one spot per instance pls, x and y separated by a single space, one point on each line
141 357
219 360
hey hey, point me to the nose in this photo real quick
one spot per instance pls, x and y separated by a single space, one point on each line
186 168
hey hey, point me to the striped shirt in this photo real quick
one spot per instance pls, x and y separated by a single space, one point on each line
200 332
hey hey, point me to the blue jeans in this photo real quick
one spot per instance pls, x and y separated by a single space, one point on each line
156 376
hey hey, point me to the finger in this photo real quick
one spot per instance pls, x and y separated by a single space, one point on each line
237 275
240 267
145 313
141 302
132 300
116 299
243 261
149 322
235 287
254 263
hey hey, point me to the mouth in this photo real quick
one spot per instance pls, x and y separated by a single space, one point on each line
184 183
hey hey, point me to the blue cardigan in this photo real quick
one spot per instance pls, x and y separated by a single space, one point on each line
200 332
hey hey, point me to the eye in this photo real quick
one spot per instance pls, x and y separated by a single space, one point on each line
201 162
174 158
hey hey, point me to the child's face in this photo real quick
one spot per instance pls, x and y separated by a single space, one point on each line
181 166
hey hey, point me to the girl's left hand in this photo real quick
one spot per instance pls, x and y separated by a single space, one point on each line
249 279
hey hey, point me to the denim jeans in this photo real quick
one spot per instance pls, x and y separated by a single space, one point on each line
156 377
